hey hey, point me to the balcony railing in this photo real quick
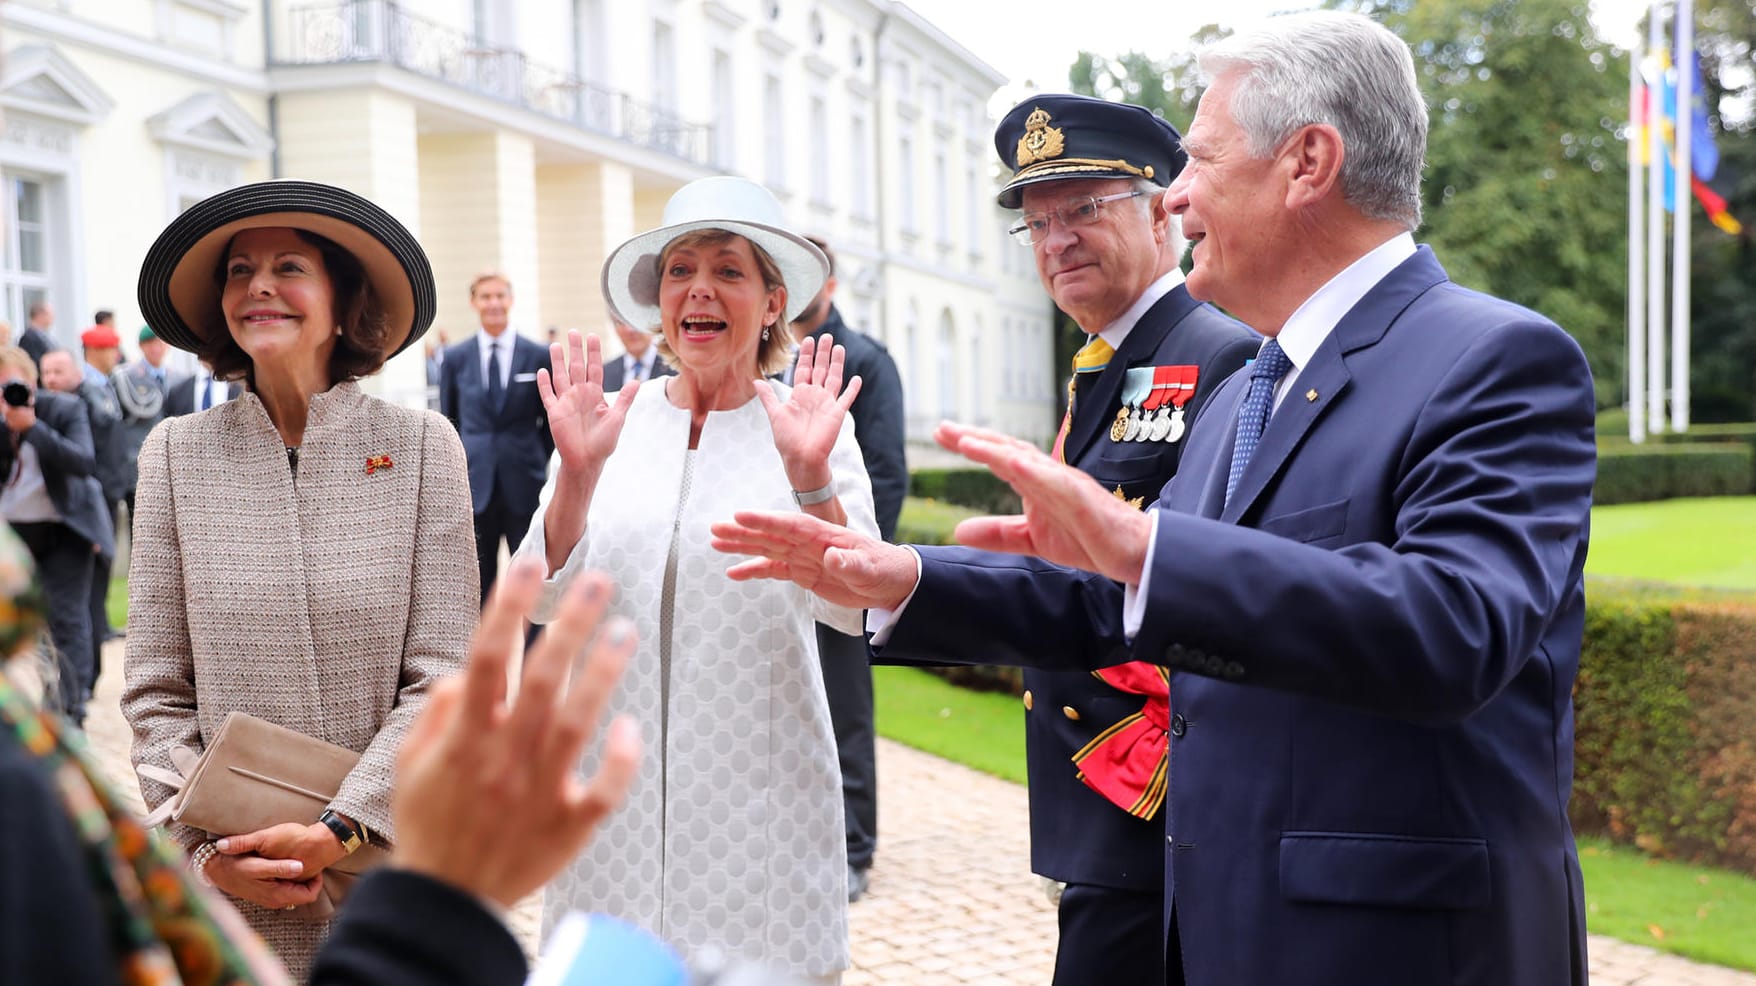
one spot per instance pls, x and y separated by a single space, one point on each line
382 31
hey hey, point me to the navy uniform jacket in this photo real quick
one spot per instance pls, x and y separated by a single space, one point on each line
1076 834
1375 645
508 450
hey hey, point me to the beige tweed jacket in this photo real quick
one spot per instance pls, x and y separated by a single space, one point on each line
326 601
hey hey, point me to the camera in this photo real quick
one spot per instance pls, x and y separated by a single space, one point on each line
15 394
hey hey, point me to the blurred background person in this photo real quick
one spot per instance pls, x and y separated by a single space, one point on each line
733 840
39 331
199 391
140 389
878 415
640 359
300 553
53 502
488 388
103 353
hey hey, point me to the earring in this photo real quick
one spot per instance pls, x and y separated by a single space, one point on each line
765 334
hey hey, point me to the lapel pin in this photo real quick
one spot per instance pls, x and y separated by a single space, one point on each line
377 462
1310 395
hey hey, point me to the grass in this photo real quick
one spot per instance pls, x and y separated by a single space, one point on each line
1698 542
1692 911
117 601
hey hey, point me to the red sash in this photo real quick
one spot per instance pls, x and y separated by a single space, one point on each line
1127 763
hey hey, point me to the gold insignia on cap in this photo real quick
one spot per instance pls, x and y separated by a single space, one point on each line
1040 141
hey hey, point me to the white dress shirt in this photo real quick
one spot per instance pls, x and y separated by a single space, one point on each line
502 344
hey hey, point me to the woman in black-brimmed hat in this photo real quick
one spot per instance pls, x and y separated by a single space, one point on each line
301 553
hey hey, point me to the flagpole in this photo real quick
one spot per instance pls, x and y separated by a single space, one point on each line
1655 234
1680 217
1639 121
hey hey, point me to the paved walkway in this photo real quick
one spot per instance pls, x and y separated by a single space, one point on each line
952 899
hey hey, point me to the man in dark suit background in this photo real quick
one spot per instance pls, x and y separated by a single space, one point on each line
488 388
640 359
54 503
879 414
199 392
1367 574
39 333
1107 253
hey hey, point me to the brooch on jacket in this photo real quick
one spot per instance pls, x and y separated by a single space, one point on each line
377 462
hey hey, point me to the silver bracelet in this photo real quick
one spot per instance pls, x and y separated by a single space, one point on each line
823 494
204 854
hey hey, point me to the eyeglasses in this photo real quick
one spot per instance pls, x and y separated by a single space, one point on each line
1033 227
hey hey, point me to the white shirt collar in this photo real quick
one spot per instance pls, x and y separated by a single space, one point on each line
1317 317
1116 332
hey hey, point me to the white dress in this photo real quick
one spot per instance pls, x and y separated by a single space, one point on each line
732 835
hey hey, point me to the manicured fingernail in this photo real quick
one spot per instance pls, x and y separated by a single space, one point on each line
223 845
294 868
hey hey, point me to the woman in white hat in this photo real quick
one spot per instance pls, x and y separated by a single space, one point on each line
301 553
732 837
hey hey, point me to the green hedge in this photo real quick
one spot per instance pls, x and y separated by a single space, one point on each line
931 522
1661 471
1665 756
976 489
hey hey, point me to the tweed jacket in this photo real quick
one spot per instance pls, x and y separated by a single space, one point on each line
327 601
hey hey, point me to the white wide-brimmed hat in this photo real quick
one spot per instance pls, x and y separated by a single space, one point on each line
736 205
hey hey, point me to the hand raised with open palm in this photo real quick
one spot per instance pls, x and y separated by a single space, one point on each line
806 423
584 424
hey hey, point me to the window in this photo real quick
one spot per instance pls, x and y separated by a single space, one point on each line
860 165
664 66
942 198
25 272
725 111
973 208
588 40
947 353
773 134
905 173
819 151
205 26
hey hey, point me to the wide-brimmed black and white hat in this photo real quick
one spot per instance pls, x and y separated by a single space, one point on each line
736 205
179 294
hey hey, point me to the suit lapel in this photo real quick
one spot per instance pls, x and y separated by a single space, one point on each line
1096 400
1327 377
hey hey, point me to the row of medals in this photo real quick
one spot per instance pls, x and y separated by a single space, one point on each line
1134 424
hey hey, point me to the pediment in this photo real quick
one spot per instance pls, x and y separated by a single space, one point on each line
212 122
39 79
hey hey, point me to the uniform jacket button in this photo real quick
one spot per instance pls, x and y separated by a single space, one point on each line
1070 712
1179 725
1027 700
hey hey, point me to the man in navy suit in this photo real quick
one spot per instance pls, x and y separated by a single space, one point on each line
1366 574
1089 177
640 359
488 388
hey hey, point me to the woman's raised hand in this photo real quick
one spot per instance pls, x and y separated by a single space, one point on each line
584 425
806 424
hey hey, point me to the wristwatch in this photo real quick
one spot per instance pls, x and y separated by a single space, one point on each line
822 494
350 839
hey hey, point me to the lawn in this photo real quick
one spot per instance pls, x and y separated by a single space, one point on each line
1701 542
1696 912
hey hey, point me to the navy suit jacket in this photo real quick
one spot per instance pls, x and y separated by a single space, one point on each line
180 397
1376 640
1076 834
508 450
613 370
879 415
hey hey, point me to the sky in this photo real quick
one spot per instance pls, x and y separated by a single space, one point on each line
1034 41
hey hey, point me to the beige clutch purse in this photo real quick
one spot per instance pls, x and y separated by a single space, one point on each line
256 774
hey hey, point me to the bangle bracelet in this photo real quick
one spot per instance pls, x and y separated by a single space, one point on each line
823 494
204 854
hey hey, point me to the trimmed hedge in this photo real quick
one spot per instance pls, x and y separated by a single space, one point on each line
1665 757
977 489
931 522
1640 473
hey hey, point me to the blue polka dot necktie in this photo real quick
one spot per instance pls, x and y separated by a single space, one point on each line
1265 371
